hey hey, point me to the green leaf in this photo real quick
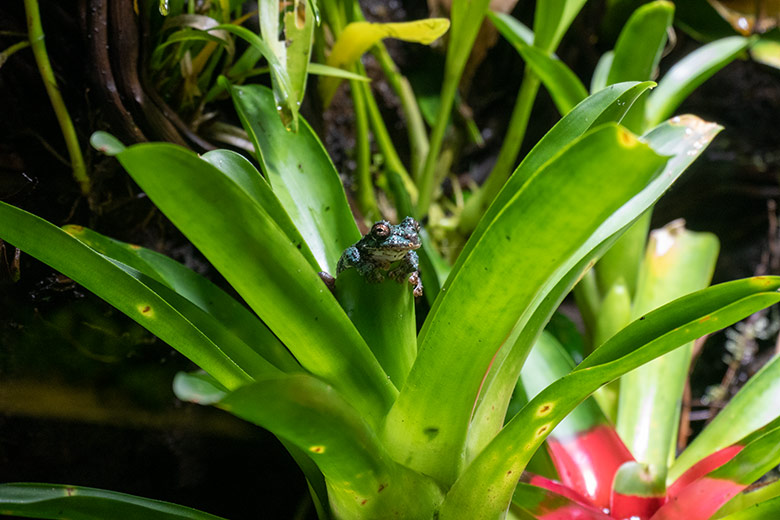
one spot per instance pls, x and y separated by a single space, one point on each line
129 295
603 107
678 261
314 417
767 50
690 72
477 309
638 51
751 502
106 143
299 34
223 311
601 72
244 243
57 501
323 70
751 408
543 503
301 174
242 172
552 19
760 511
750 464
485 487
680 140
198 387
564 86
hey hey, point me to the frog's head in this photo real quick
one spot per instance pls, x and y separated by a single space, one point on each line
396 239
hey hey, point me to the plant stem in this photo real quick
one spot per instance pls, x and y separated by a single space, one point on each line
415 125
365 194
36 37
383 140
507 156
427 178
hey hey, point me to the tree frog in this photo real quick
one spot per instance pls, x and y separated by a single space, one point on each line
385 245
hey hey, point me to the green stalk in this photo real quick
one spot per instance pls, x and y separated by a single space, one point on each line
36 37
365 194
383 140
415 125
428 176
507 156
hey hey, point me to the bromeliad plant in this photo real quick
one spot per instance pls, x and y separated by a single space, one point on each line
386 423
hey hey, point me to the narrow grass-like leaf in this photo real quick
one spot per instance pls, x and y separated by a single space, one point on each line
264 267
98 274
489 480
601 72
313 416
57 501
323 70
754 406
690 72
299 34
301 174
564 86
430 417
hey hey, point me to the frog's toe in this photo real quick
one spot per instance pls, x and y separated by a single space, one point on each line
414 280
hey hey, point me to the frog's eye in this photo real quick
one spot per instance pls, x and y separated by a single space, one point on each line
380 230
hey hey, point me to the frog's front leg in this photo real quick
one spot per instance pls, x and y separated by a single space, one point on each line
409 269
349 258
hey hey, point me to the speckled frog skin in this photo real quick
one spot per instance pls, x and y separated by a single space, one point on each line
381 248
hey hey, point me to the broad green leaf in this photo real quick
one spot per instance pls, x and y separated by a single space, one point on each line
358 37
750 464
681 140
760 511
754 406
751 502
690 72
384 315
57 501
221 308
638 51
106 143
546 363
244 243
606 106
552 19
564 86
301 175
485 487
315 417
678 261
244 174
477 309
129 295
